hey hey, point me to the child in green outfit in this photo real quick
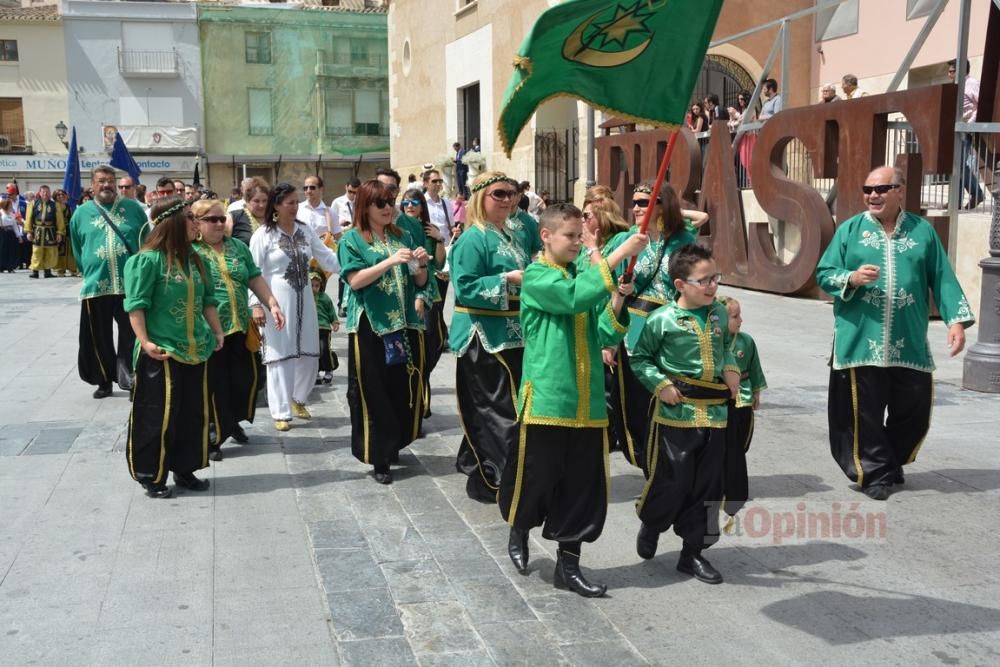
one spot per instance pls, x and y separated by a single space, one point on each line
558 477
327 316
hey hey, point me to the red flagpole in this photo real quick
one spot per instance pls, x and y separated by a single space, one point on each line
660 177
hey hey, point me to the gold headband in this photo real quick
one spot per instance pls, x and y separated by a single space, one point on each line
488 182
643 189
169 212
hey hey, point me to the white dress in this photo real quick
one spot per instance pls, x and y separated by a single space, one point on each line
284 264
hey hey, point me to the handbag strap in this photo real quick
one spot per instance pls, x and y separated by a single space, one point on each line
114 228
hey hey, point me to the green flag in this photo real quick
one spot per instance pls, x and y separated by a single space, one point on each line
638 59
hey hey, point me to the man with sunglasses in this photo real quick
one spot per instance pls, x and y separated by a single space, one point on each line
315 213
880 267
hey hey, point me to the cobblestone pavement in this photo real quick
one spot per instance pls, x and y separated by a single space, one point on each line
295 556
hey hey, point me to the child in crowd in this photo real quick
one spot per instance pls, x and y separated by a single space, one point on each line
683 358
559 476
327 316
740 422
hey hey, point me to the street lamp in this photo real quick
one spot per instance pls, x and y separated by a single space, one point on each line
61 130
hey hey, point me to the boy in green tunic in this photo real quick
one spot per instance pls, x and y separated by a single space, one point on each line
740 421
327 316
683 358
880 267
559 476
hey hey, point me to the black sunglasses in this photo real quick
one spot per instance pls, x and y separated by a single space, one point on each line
437 180
217 219
381 203
880 189
642 203
503 195
310 187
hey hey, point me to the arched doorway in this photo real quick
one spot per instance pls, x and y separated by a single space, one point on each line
723 76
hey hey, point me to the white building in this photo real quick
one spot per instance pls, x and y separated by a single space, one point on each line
135 67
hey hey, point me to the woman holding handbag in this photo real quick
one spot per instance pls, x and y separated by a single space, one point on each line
232 371
386 271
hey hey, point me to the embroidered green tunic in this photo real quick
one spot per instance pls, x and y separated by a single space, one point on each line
885 323
232 270
485 304
325 312
173 304
99 252
388 303
744 351
429 293
676 344
567 318
525 225
652 281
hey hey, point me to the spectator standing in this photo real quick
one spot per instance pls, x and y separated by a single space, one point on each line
828 93
970 161
849 84
774 103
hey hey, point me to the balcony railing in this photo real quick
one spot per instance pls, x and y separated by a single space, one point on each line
351 64
359 130
147 63
14 140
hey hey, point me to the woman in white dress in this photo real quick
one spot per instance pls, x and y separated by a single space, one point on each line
282 248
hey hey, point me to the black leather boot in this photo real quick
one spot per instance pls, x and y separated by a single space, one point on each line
569 577
517 549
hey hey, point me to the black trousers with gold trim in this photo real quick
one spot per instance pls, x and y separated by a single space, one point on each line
435 339
486 386
328 361
98 360
558 478
168 427
878 419
385 401
630 411
232 377
684 487
736 482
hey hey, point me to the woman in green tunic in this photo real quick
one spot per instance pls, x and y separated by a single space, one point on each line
486 264
630 405
170 299
414 207
385 270
232 370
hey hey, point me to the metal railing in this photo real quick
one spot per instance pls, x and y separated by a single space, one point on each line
980 175
14 140
147 62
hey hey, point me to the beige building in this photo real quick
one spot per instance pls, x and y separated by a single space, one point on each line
448 72
33 95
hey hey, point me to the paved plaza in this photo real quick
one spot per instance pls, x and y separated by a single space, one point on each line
296 557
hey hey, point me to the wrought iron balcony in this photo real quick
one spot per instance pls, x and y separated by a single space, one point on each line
153 64
14 140
339 64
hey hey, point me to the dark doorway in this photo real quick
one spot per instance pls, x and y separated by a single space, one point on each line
469 114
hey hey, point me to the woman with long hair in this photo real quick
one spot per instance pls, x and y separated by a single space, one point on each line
415 210
696 120
232 370
630 402
602 220
385 269
282 247
170 299
486 264
742 113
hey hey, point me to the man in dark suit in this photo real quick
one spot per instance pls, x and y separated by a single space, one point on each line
461 170
713 110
